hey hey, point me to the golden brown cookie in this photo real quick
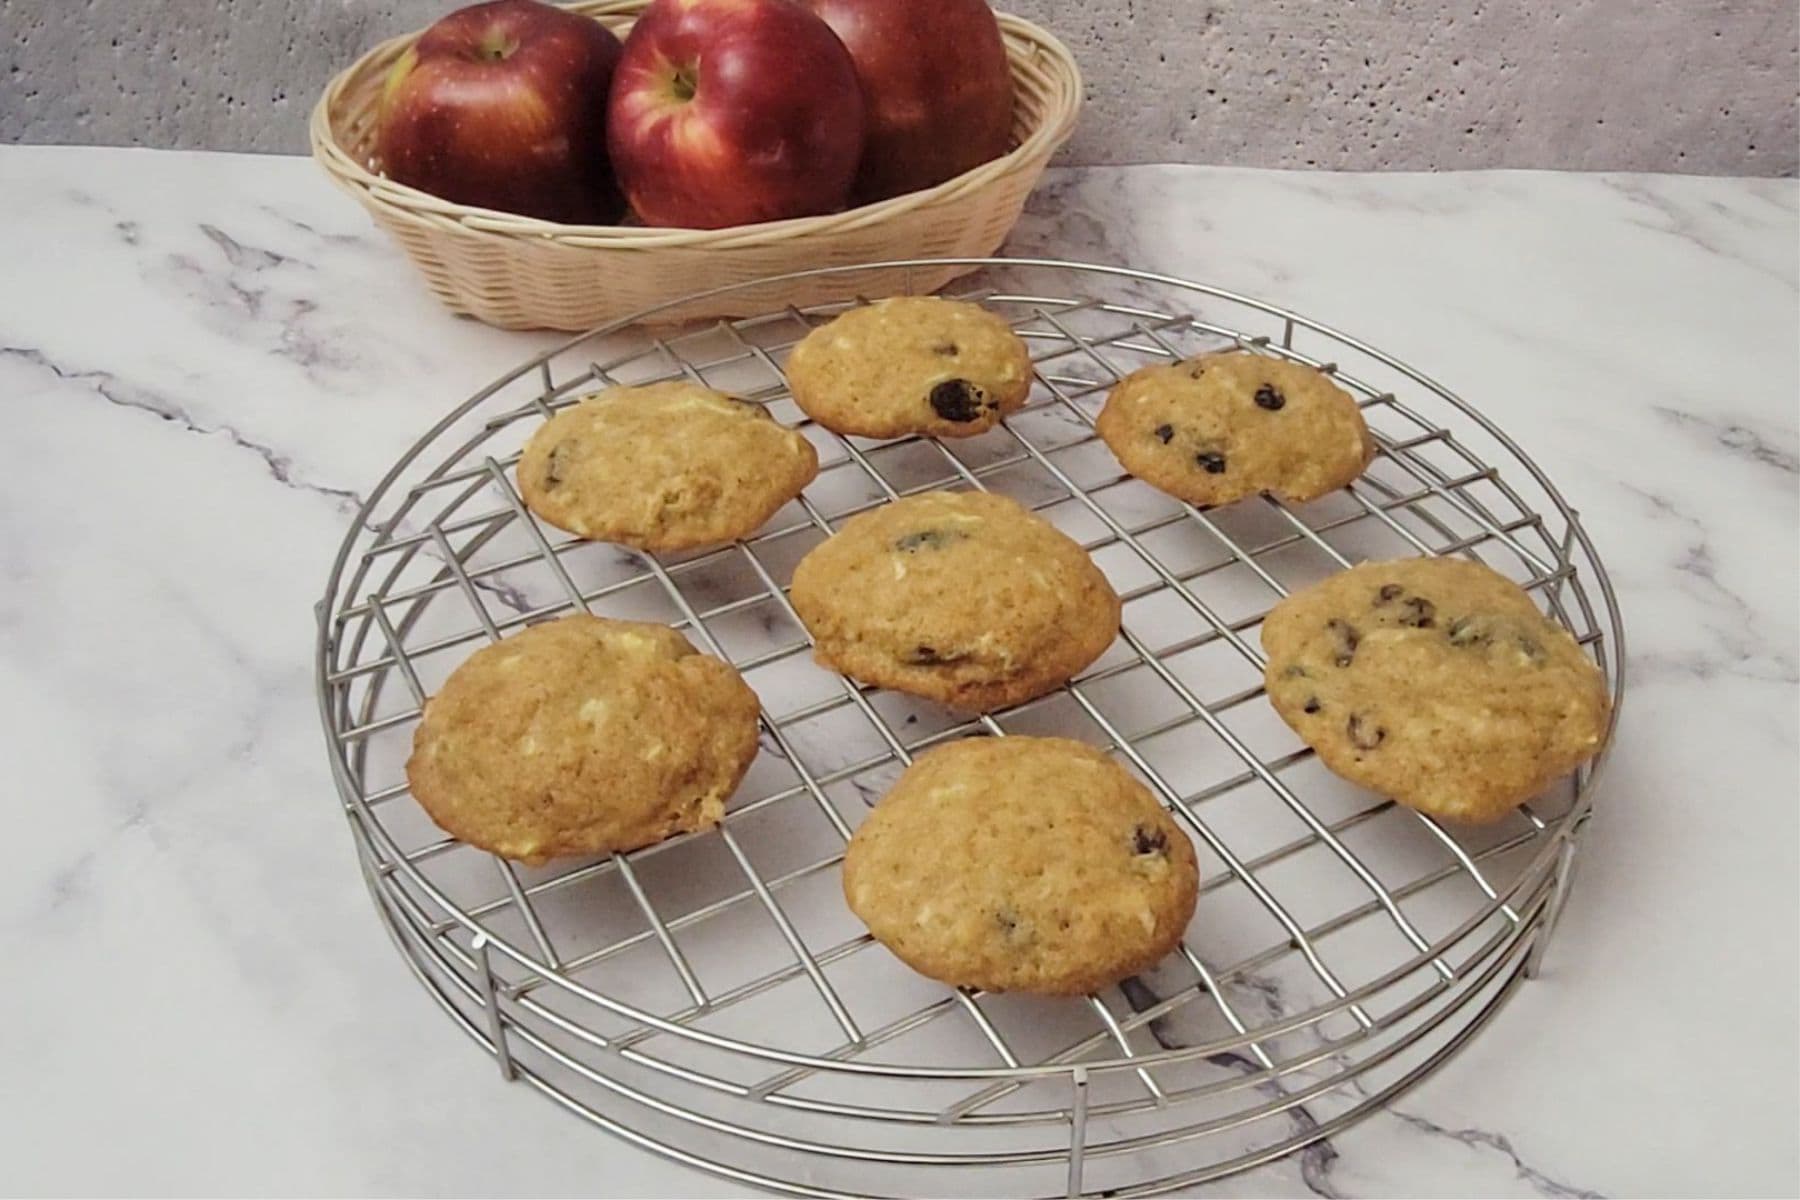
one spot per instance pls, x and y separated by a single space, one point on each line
1435 681
1217 428
961 597
667 466
911 364
582 736
1022 864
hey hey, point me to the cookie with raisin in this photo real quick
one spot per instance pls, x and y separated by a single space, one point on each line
964 598
911 364
582 735
1022 864
1219 427
663 467
1436 681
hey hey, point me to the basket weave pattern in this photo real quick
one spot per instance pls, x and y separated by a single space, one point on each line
523 273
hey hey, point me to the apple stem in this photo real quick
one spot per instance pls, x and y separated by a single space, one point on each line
497 47
686 83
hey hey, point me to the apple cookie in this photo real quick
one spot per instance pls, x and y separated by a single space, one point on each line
1217 428
667 466
1435 681
1022 864
911 364
582 736
960 597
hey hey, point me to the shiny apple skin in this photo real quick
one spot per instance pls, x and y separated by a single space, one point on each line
937 84
734 112
503 106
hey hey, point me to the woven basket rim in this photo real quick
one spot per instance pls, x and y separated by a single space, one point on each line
1028 45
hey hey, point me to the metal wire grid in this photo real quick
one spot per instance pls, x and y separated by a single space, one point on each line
1433 495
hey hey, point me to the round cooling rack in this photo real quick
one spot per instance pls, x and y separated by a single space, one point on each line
711 998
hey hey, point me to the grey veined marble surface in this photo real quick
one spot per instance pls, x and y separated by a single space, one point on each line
207 359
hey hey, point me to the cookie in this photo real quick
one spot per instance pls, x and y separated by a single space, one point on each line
1435 681
961 597
1022 864
582 736
666 466
1217 428
911 364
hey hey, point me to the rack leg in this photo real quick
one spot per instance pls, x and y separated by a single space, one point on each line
1559 894
490 998
1078 1129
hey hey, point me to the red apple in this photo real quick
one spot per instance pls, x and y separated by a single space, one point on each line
503 106
729 112
937 84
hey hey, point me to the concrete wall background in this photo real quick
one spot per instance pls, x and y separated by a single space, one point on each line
1704 86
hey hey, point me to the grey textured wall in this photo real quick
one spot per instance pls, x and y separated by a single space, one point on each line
1703 86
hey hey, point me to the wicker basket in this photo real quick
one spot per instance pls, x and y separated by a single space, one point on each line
524 273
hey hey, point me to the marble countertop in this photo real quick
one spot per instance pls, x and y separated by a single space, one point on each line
205 359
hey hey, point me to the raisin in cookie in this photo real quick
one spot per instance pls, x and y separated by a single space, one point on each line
1217 428
1435 681
582 736
961 597
1022 864
912 364
667 466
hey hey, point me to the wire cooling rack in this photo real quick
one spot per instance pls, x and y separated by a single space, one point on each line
710 998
